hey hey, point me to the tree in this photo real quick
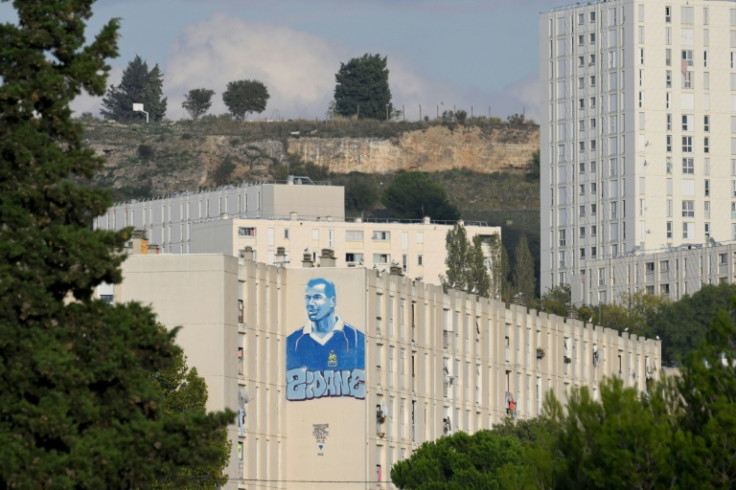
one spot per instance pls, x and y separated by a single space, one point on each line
138 85
499 274
413 195
362 88
467 268
524 281
78 407
197 102
456 245
182 389
245 96
361 191
556 301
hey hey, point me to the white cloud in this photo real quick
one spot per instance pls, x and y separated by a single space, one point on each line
297 68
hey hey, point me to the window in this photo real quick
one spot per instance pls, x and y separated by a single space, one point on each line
688 209
592 80
562 234
668 57
582 232
669 122
641 56
688 230
581 60
246 231
668 165
581 40
706 209
593 209
582 211
706 190
581 82
581 103
593 187
669 143
381 235
614 208
582 253
668 35
668 14
669 229
706 123
593 231
688 166
668 79
420 260
687 15
381 259
687 57
353 235
353 258
582 146
592 60
705 58
687 122
706 145
592 102
687 79
592 17
593 251
687 144
582 189
286 233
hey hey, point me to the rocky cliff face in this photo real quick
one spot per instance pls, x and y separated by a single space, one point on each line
145 161
435 149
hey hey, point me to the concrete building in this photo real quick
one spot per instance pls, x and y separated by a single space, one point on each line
281 221
638 136
406 363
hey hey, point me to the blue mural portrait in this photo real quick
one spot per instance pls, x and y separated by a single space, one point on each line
326 356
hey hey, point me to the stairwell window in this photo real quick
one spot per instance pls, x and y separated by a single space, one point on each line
381 235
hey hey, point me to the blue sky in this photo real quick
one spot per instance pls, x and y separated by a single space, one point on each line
442 54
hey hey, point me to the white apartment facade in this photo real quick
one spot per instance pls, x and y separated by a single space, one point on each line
432 363
282 221
638 134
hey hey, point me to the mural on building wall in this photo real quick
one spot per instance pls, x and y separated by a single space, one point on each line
326 356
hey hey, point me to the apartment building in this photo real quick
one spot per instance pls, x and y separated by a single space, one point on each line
638 136
282 221
409 363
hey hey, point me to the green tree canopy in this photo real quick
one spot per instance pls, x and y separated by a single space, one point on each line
183 390
245 96
413 195
467 267
138 85
78 407
197 102
362 88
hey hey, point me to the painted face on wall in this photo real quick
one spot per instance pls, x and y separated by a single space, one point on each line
319 305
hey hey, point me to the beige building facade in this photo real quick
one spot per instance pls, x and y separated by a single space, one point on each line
282 221
405 363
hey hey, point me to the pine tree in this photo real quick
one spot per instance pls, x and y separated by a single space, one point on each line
456 244
138 85
362 88
479 280
78 407
499 275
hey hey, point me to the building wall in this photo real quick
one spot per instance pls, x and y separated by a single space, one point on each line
434 363
419 248
636 133
167 221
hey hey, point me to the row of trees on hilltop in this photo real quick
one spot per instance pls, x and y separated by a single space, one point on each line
139 84
92 395
362 90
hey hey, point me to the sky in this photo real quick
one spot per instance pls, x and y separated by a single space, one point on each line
480 56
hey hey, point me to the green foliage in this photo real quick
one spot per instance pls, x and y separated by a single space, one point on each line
223 172
362 88
197 102
556 301
361 191
533 166
78 408
467 269
682 325
481 460
523 275
413 195
138 85
500 287
183 390
245 96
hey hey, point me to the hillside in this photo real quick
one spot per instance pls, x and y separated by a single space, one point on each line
482 165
